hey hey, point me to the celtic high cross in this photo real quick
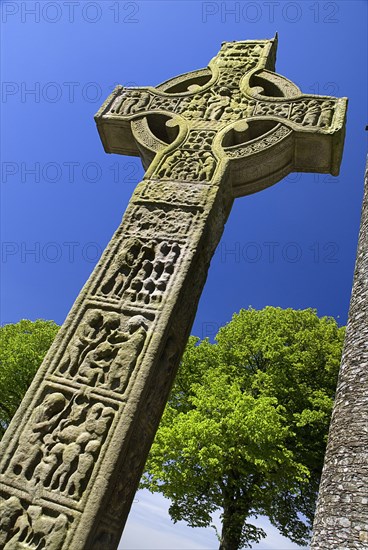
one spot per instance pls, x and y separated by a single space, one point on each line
74 453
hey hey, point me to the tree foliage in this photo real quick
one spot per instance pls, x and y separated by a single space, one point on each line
23 346
246 425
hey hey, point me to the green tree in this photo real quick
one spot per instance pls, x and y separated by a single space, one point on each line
246 425
23 346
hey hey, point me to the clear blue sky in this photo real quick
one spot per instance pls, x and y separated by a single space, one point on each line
63 197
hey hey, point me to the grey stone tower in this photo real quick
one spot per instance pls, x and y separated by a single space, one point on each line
341 520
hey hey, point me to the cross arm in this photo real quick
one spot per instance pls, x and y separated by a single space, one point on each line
283 131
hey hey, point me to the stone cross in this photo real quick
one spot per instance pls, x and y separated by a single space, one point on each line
74 453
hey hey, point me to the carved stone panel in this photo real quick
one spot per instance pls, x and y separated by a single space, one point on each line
185 165
140 272
239 54
170 192
258 145
101 353
153 221
25 526
306 112
273 109
130 102
313 112
60 446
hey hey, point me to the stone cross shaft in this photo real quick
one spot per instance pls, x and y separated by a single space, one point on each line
74 453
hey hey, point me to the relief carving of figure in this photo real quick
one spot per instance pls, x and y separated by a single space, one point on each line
84 467
169 163
71 450
121 268
127 355
68 453
205 172
90 342
96 362
217 104
10 510
312 114
327 111
131 103
186 166
194 107
43 419
35 530
97 365
22 529
85 335
309 113
163 269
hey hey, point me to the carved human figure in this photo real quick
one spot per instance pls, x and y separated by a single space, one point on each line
10 510
168 164
71 452
205 171
151 283
185 168
120 268
148 284
35 530
162 277
128 353
41 526
163 269
129 104
43 419
188 166
96 362
327 110
90 357
57 535
85 335
77 408
298 112
312 113
47 465
22 529
98 419
85 464
217 104
195 107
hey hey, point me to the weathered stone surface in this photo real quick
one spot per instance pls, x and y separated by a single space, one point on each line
341 520
74 453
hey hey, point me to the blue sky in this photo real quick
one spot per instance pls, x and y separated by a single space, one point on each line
62 197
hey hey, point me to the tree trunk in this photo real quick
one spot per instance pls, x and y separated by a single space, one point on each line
232 524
